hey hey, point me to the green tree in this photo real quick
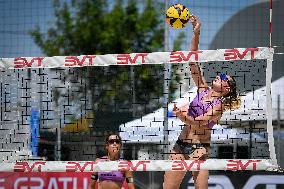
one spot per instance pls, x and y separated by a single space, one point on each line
98 27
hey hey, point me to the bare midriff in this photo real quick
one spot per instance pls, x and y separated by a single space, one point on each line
109 185
195 134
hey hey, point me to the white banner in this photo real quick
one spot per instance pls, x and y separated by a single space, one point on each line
138 58
139 165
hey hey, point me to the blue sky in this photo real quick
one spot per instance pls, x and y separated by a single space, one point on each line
18 17
213 14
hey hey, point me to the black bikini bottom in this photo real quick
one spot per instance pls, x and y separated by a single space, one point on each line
188 148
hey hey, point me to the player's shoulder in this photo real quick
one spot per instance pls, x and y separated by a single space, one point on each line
203 89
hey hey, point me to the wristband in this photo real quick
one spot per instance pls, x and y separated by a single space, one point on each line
94 177
129 180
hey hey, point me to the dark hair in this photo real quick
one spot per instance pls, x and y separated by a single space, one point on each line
232 100
107 137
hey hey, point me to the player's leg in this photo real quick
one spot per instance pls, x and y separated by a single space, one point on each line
173 179
200 179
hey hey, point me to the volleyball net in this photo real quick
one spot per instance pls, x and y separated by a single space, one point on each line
62 108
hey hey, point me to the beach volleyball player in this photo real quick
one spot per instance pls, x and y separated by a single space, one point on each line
199 117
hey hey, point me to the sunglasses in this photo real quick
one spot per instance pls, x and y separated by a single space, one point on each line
223 77
112 141
231 83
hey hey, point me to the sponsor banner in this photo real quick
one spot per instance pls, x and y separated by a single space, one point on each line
227 180
138 165
34 118
48 180
44 180
241 180
264 53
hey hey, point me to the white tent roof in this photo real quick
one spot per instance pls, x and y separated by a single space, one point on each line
149 128
254 104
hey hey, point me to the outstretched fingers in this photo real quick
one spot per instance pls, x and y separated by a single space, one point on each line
196 24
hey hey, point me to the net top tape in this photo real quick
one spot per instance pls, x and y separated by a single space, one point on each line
260 53
139 165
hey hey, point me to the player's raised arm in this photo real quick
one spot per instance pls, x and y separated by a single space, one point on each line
197 77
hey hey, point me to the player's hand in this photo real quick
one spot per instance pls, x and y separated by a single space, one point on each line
196 24
175 107
176 110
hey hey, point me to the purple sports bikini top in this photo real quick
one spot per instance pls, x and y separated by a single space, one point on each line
197 108
115 176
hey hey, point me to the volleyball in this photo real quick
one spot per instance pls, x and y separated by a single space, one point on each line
177 16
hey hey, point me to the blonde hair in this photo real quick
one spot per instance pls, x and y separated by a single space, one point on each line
232 100
232 104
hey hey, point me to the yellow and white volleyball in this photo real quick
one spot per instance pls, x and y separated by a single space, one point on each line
177 16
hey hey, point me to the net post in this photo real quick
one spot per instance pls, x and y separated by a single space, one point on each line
269 108
167 69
